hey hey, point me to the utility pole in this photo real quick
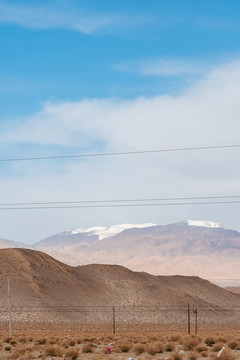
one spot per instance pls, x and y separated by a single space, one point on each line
9 307
189 329
196 318
114 322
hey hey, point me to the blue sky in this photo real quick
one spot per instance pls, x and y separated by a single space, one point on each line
87 76
54 62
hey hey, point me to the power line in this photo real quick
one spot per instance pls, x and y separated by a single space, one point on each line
119 205
121 153
121 200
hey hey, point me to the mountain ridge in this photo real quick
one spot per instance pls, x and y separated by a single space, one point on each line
193 247
42 288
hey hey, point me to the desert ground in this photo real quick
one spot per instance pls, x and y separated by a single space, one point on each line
71 342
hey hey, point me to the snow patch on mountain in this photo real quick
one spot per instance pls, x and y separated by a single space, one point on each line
208 224
104 232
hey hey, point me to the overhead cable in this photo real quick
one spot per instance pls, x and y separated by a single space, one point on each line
119 205
120 153
121 200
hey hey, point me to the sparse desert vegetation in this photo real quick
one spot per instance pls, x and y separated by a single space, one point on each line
72 343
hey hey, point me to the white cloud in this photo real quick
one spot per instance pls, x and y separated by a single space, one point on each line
164 67
54 15
206 114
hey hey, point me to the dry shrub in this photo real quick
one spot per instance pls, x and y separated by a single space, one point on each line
209 341
217 347
87 339
72 354
193 356
125 347
17 353
7 348
65 344
226 355
156 348
221 339
72 343
204 354
201 348
7 339
160 346
52 341
232 345
169 347
153 338
152 350
29 348
42 341
53 351
175 337
190 342
176 356
87 348
24 357
139 349
22 339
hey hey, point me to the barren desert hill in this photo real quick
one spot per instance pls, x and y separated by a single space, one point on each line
38 279
201 248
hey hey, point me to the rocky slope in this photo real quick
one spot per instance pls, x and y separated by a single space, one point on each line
44 289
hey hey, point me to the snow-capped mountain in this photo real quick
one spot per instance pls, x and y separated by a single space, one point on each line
103 232
191 247
88 236
209 224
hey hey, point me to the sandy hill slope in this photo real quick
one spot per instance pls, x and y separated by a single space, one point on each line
38 280
233 289
205 249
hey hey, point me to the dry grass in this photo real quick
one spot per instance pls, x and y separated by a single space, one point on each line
169 347
139 349
210 341
72 354
217 347
89 345
191 342
201 348
53 351
233 345
87 348
193 356
226 355
125 347
176 356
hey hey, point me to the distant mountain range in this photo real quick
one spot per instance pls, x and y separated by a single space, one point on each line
201 248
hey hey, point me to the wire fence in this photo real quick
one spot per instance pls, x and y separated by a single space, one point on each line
115 318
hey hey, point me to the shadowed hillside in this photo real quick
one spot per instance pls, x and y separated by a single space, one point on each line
38 280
